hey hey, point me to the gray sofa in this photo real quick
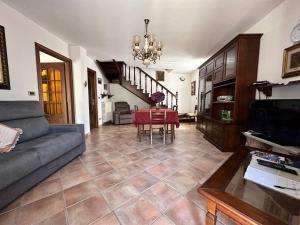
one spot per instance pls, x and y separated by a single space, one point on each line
41 150
122 113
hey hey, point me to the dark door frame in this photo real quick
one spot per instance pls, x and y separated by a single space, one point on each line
94 74
69 78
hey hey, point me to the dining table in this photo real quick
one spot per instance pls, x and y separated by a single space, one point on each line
142 117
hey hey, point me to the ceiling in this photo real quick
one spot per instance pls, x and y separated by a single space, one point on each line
191 30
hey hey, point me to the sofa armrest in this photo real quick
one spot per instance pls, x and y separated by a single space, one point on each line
55 128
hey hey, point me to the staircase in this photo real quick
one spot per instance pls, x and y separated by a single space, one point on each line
137 81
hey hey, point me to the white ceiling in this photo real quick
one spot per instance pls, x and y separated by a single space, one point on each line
191 30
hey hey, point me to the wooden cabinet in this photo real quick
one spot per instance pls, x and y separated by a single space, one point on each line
228 72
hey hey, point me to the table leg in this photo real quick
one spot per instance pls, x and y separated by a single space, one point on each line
172 133
211 215
139 133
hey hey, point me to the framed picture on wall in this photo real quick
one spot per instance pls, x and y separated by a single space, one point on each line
291 61
193 88
160 75
4 75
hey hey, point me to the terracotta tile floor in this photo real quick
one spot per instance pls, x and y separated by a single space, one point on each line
120 181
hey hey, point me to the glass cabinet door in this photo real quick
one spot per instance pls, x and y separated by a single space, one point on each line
231 61
208 94
201 94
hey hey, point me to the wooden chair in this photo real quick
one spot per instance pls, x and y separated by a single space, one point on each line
158 118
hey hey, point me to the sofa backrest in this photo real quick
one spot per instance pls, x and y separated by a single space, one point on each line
122 106
26 115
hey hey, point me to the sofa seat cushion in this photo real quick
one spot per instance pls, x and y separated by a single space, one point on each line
52 146
17 164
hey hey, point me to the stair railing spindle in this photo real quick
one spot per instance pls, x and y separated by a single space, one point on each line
167 99
125 71
134 75
140 80
146 84
129 74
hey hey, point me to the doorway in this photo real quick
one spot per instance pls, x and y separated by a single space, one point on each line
54 72
93 100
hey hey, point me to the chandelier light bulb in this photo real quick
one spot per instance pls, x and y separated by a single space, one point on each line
146 62
136 39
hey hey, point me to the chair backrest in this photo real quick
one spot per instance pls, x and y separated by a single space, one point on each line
121 106
158 116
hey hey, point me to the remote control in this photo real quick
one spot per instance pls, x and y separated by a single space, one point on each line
276 166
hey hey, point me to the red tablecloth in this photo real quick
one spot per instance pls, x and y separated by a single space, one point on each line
142 116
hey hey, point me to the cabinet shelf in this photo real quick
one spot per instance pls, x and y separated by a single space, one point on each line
223 102
224 84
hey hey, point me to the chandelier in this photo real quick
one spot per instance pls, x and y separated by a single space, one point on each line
151 50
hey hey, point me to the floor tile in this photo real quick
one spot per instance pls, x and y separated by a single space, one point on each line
108 181
9 218
147 162
120 194
80 192
42 190
161 196
120 162
57 219
91 157
99 169
137 156
87 211
164 220
186 212
195 197
161 170
142 181
181 182
110 219
69 181
130 170
41 209
138 212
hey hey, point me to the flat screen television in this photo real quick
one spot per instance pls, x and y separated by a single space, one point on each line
276 120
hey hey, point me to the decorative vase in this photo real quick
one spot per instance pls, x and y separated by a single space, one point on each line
157 106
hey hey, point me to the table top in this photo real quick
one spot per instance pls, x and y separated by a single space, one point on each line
262 204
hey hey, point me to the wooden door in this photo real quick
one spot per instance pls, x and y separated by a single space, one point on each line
54 92
93 106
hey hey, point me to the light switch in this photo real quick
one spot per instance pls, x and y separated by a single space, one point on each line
31 93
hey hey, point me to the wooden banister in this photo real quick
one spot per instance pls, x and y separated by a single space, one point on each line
123 75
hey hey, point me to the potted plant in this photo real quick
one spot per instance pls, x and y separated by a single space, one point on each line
158 97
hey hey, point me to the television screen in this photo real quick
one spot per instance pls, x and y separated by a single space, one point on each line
276 120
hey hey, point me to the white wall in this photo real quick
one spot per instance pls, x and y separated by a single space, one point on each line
21 34
121 94
276 28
